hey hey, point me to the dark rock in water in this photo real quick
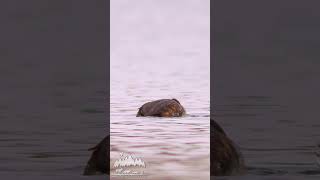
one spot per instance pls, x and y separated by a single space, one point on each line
162 108
97 163
225 159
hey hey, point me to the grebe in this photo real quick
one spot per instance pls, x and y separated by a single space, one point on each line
162 108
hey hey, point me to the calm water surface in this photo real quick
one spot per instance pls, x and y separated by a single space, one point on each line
266 85
164 55
52 100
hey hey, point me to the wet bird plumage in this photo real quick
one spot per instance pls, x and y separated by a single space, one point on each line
162 108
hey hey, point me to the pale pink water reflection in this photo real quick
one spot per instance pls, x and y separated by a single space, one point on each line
160 49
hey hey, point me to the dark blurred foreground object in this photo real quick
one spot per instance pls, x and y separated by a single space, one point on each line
97 163
225 159
317 153
162 108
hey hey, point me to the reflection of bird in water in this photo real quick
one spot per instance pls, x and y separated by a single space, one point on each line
225 159
162 108
97 163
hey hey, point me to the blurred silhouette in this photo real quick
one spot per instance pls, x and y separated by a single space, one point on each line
317 153
225 159
98 162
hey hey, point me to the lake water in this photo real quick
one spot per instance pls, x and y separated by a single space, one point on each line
266 84
265 87
160 49
53 87
276 128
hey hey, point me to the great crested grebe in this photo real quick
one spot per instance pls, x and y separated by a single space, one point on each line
162 108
